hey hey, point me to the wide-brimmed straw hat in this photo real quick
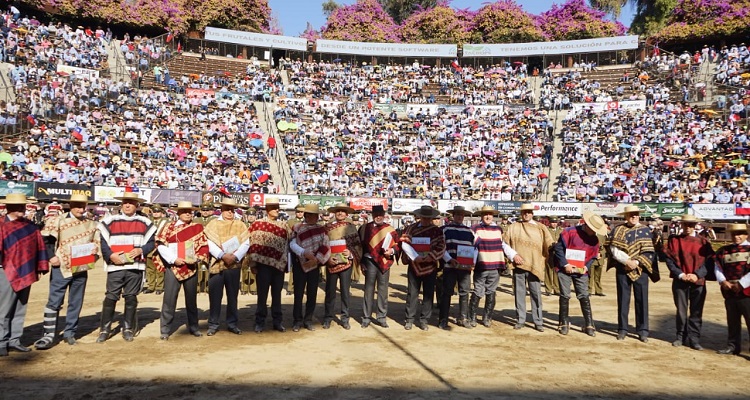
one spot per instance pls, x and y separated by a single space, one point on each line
690 219
526 207
311 208
630 210
486 210
426 212
15 198
595 222
229 202
341 207
130 196
185 205
78 198
272 202
737 228
459 210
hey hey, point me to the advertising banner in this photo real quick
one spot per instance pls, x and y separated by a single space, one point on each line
471 205
166 196
323 201
714 211
385 49
612 105
549 48
409 205
26 188
366 203
107 194
255 39
78 72
604 209
215 198
557 209
60 191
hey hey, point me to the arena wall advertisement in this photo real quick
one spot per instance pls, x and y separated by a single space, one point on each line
409 205
366 203
551 48
255 39
557 209
714 211
611 105
384 49
60 191
26 188
165 196
107 194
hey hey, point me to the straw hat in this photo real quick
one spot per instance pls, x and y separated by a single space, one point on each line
630 210
272 202
595 222
526 207
459 210
341 207
15 198
741 228
130 196
690 219
426 212
229 202
78 198
312 209
486 210
185 205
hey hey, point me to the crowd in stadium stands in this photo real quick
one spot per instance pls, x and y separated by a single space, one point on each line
352 149
88 129
406 83
670 153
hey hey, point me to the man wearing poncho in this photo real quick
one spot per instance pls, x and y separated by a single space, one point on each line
269 241
633 257
311 245
379 243
532 241
69 271
423 244
228 243
23 258
126 239
346 252
182 245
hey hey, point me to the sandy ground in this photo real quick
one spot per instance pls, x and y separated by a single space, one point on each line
498 362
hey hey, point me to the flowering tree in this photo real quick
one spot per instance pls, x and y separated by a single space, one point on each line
310 33
363 21
575 20
440 24
172 15
707 19
504 21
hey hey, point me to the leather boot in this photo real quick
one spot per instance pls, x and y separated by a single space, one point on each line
108 313
564 321
130 320
473 305
463 307
588 319
489 309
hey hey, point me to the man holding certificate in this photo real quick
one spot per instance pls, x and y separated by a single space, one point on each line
181 246
459 259
228 243
74 245
532 241
423 245
126 239
312 247
379 243
574 252
346 253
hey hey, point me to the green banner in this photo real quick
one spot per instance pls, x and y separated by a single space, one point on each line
323 201
663 210
7 187
307 199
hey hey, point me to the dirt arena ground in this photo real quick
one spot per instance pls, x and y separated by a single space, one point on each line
377 363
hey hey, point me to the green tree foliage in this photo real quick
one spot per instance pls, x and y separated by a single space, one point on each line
400 10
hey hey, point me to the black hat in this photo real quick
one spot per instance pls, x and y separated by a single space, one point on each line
378 209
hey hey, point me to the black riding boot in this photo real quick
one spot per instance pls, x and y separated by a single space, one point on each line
473 306
108 314
588 318
130 321
564 321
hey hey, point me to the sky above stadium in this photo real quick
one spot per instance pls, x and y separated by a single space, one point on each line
294 14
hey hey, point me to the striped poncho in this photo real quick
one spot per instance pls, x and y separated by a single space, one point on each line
637 242
269 241
313 238
373 238
488 239
24 255
192 236
122 233
457 235
342 234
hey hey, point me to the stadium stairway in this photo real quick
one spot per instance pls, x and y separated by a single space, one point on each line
279 164
556 161
118 69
